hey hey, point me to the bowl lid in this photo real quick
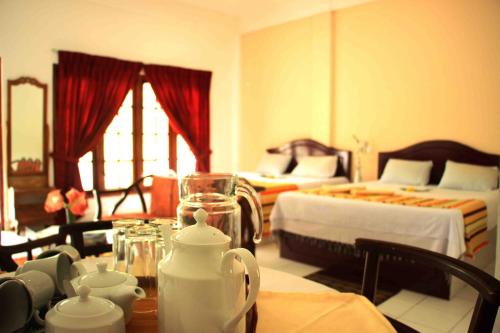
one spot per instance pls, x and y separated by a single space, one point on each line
201 233
84 305
102 278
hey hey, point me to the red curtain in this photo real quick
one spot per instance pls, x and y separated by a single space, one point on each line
89 92
184 94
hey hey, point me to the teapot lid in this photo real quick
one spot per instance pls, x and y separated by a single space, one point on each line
201 233
84 305
102 278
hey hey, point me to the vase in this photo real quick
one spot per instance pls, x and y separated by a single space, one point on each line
70 217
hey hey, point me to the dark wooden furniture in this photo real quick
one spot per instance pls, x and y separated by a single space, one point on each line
488 287
29 206
439 152
404 274
308 147
76 231
6 252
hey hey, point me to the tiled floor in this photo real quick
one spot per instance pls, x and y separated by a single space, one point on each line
424 313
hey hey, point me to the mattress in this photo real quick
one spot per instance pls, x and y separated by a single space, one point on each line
274 186
344 220
301 182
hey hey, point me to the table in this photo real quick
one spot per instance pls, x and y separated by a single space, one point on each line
288 303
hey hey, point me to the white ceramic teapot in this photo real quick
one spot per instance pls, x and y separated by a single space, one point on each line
201 285
118 287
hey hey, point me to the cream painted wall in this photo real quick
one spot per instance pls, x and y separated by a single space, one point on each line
401 71
160 32
285 89
407 71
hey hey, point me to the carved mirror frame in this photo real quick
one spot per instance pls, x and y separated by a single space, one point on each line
29 177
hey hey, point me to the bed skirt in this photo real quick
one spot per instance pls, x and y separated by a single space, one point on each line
394 271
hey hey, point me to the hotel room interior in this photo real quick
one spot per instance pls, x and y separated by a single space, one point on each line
315 103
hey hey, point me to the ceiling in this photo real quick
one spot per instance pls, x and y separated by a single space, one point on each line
257 14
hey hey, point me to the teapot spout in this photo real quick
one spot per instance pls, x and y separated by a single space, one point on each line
125 296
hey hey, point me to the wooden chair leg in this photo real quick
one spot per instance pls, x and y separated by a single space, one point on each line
487 312
370 276
7 263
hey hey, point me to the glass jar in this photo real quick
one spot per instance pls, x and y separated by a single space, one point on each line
217 194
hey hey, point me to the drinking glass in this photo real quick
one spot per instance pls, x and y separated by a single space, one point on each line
140 253
119 233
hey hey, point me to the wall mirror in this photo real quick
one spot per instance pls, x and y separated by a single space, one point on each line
27 131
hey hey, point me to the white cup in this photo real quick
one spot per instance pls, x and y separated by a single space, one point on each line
40 286
70 250
58 267
15 304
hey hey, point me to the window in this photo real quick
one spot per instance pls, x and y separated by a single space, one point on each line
138 142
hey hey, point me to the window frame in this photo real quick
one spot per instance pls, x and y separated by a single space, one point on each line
98 157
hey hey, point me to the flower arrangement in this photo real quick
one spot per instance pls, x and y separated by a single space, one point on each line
74 203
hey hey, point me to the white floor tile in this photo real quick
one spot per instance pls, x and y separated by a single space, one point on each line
467 293
463 325
457 306
298 269
438 314
419 327
400 303
395 307
410 296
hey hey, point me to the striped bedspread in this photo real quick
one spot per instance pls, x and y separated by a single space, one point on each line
268 198
473 210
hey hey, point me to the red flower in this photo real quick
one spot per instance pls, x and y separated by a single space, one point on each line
54 201
77 203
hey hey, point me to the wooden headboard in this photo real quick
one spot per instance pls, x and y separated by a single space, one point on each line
439 151
308 147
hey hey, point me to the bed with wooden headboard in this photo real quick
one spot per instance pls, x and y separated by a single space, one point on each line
270 187
318 236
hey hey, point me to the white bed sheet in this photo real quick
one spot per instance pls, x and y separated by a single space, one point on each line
301 182
344 220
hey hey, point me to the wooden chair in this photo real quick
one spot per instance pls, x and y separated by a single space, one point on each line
488 300
76 233
8 264
164 199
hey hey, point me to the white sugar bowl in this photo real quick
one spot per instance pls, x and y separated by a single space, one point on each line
85 314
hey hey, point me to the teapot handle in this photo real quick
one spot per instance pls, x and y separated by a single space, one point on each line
246 191
254 276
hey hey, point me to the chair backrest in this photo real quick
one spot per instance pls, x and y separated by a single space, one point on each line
136 187
164 196
488 287
76 230
8 264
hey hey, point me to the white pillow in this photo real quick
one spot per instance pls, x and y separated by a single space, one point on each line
469 177
273 164
316 166
407 172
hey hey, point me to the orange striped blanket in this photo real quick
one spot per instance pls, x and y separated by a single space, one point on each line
268 197
474 211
